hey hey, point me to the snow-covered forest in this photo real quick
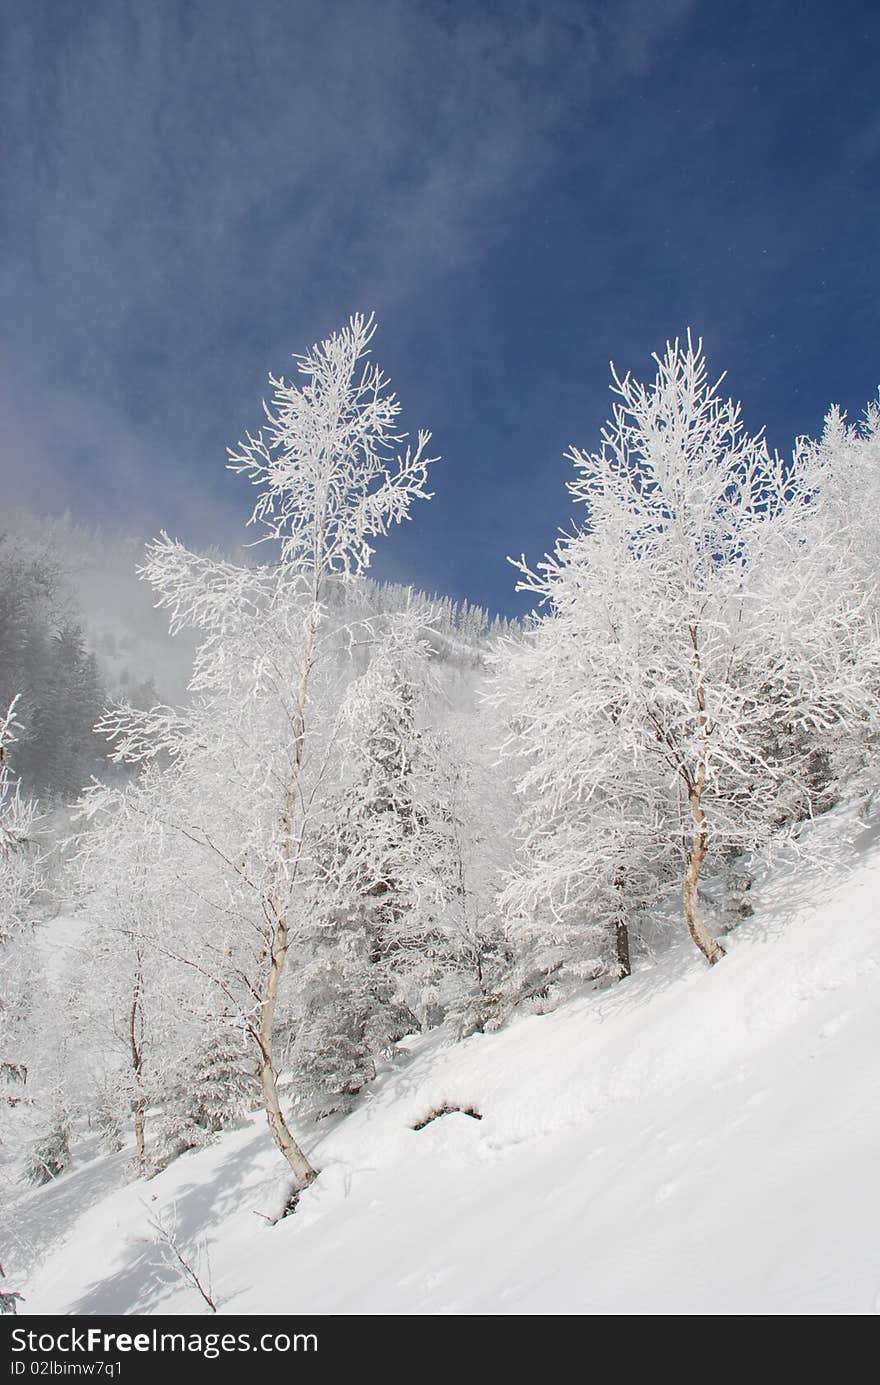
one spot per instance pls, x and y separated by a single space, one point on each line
382 829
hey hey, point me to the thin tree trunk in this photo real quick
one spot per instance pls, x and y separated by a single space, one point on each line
302 1169
139 1138
621 931
137 1062
278 902
690 890
621 947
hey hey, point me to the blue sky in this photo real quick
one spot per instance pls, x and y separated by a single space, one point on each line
522 191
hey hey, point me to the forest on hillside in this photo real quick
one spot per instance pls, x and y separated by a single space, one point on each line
378 813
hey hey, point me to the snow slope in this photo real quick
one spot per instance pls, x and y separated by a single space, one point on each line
690 1142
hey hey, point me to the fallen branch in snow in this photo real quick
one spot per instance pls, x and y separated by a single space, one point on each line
179 1262
446 1110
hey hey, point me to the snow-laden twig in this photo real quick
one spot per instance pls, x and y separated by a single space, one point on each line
181 1261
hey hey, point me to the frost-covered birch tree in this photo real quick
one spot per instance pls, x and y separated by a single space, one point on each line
683 619
142 1016
252 756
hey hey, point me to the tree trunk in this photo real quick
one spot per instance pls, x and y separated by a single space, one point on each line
279 902
690 890
621 931
621 947
302 1169
135 1034
139 1123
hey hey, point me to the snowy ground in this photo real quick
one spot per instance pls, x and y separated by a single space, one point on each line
690 1142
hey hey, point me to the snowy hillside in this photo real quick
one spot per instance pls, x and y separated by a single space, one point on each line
690 1141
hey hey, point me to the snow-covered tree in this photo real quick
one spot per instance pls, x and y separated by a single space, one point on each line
586 872
44 661
383 954
250 757
388 861
33 1120
20 877
142 1015
844 470
209 1089
681 622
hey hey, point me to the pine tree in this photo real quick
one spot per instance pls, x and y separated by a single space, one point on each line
208 1092
378 949
45 662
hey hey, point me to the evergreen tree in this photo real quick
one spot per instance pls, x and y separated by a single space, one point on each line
44 661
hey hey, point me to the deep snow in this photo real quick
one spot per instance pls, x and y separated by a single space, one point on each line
689 1142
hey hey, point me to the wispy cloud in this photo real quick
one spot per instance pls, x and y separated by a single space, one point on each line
201 188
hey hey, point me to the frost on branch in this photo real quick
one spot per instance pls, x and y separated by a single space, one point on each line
328 463
382 949
247 768
694 613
